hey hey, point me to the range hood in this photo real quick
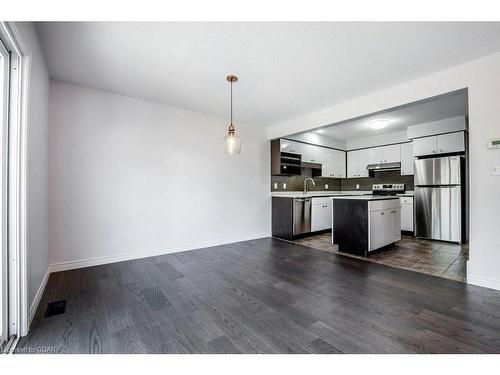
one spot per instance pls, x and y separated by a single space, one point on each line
384 167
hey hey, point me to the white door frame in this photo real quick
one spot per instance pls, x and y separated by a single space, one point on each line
17 172
4 120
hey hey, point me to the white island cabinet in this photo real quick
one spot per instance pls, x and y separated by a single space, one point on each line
384 222
362 224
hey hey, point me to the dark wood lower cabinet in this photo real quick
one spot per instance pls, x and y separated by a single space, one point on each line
350 226
282 217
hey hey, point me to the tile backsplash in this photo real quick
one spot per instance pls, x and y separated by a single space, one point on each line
296 183
380 177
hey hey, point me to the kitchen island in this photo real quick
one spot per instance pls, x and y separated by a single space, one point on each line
364 224
298 214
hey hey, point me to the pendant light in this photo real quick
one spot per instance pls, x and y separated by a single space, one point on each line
232 141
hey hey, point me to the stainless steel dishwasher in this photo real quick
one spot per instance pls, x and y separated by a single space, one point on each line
301 216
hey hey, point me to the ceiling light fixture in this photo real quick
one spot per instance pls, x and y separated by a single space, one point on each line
232 141
379 124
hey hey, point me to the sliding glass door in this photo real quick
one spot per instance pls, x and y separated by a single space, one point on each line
4 116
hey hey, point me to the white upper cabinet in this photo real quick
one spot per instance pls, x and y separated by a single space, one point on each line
310 153
322 155
384 154
340 169
352 164
407 159
439 144
452 142
363 163
291 146
333 163
424 146
375 155
392 154
357 161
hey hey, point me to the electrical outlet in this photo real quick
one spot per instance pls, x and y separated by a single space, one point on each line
284 185
275 185
357 186
326 186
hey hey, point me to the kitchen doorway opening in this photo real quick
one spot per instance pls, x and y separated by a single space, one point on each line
386 157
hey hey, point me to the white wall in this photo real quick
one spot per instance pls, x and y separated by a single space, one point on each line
318 139
377 140
131 178
37 138
482 77
420 130
437 127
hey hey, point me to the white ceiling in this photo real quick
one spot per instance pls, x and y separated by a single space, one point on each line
446 106
285 69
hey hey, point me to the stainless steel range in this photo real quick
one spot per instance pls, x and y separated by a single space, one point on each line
388 189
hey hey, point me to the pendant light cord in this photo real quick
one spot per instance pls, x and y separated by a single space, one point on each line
231 101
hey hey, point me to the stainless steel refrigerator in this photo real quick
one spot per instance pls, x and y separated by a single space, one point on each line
438 198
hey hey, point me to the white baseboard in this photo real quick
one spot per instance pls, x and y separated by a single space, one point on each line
89 262
483 281
38 296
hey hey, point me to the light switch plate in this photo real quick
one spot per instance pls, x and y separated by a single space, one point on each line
326 186
284 185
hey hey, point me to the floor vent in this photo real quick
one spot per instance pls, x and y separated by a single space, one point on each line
56 308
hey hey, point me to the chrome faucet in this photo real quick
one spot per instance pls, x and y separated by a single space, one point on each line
305 184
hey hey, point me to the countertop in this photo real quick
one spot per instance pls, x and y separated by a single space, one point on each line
317 194
367 197
331 193
406 194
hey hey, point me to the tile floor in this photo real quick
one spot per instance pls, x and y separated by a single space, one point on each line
430 257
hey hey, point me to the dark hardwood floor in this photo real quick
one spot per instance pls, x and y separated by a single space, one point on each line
262 296
436 258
